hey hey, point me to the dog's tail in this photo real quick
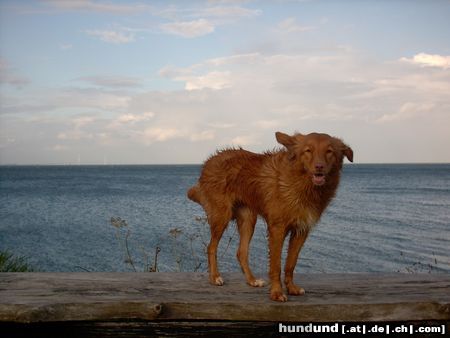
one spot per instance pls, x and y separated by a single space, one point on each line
194 194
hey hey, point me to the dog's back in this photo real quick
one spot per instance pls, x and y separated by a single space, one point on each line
230 177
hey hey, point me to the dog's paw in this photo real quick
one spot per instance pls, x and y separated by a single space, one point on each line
257 283
278 296
218 281
295 290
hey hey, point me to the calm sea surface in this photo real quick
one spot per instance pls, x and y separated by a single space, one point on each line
384 218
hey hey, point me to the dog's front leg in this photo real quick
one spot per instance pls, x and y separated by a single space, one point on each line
277 234
296 242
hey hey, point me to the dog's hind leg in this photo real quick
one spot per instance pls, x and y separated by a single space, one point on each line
218 221
246 221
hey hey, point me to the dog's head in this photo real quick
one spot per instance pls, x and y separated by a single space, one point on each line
317 154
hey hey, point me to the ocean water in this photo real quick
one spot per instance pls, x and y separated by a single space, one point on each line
385 218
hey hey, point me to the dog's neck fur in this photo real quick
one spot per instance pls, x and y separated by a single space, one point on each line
297 191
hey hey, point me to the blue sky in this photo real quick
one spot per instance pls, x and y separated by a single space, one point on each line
126 82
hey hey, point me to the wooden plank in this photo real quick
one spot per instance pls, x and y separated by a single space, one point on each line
60 297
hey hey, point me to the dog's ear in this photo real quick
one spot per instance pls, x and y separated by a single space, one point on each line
348 152
284 139
345 149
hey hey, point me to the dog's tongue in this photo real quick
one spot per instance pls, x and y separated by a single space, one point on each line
318 179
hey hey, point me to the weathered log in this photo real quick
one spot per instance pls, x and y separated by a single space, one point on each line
152 300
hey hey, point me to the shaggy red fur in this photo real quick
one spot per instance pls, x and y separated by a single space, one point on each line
289 188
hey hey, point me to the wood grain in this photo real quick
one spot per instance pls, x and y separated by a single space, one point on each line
115 297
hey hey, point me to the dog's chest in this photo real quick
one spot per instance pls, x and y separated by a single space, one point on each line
300 213
304 220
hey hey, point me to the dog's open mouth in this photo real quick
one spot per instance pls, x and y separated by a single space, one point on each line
319 179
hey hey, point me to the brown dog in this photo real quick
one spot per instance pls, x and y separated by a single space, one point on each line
289 188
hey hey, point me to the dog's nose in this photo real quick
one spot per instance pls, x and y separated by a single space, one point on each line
319 166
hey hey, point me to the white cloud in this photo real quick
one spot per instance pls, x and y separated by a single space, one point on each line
130 119
290 25
75 135
189 29
59 147
213 80
324 20
221 125
296 91
408 110
6 141
228 1
195 21
65 46
95 6
219 14
66 100
111 36
431 84
233 12
112 81
10 76
160 134
244 140
175 73
429 60
203 136
77 131
267 124
90 98
255 71
83 121
250 58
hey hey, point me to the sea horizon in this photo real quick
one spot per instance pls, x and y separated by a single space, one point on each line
193 164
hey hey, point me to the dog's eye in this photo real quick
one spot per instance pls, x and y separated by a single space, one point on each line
329 151
308 150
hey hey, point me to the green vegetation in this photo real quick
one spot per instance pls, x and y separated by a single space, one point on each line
11 263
